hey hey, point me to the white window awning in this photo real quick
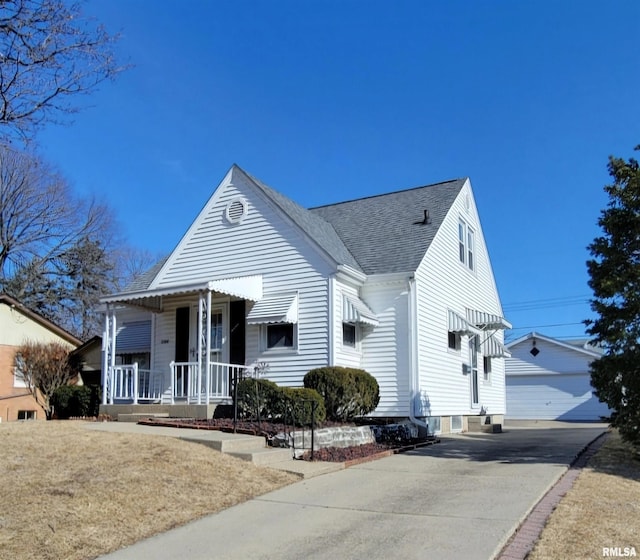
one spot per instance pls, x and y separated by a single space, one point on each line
487 321
458 324
493 348
354 310
276 308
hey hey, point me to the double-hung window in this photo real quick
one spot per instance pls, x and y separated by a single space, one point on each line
466 245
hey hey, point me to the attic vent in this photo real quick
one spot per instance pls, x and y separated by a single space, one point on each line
236 210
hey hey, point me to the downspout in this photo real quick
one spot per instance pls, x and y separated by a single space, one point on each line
414 370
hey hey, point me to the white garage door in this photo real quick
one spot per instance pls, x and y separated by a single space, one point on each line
552 397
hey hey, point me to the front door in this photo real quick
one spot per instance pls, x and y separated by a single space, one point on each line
182 349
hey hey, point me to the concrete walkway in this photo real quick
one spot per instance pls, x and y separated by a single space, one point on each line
460 499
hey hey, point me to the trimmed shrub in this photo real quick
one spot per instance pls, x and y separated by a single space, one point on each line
347 392
296 404
257 398
76 401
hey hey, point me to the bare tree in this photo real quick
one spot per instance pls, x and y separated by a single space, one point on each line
45 368
40 218
49 53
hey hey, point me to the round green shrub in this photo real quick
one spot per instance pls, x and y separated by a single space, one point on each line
257 398
296 405
347 392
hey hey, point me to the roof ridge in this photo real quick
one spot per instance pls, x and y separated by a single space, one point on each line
399 191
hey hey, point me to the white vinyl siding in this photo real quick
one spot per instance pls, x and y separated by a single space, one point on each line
441 285
263 243
385 350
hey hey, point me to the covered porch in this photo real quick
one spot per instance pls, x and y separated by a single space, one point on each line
190 359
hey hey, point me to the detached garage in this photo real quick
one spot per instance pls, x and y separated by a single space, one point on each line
548 379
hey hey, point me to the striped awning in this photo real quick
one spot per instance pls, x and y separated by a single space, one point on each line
493 348
458 324
134 337
354 310
487 321
277 308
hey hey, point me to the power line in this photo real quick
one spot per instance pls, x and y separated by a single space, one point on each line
546 303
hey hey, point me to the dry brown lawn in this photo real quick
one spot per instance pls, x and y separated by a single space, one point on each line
602 509
71 493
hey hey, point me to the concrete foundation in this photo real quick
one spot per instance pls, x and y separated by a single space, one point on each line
136 412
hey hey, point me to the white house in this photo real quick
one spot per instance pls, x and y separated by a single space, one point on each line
399 284
549 379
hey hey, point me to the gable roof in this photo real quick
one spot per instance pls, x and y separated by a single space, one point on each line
589 351
378 234
37 318
387 233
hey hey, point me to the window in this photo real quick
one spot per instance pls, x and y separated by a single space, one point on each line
466 245
462 243
279 335
26 414
454 341
349 335
18 378
486 362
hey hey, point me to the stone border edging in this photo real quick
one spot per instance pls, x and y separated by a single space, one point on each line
521 543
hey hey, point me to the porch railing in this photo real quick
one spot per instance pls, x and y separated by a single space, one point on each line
188 382
132 384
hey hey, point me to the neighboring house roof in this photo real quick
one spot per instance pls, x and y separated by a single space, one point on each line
388 233
143 281
588 351
36 317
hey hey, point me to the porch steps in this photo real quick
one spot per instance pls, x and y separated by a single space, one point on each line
483 424
264 457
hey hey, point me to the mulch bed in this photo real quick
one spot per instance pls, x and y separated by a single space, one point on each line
349 455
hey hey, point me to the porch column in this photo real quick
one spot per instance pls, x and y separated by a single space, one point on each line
108 355
201 315
207 359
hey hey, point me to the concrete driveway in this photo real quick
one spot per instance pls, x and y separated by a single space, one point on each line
459 499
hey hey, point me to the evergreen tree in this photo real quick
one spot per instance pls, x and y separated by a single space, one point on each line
614 271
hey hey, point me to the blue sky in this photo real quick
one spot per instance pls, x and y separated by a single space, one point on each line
334 100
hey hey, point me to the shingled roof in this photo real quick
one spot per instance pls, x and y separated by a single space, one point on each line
388 233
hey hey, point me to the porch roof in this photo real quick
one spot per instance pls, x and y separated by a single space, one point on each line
244 287
276 308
